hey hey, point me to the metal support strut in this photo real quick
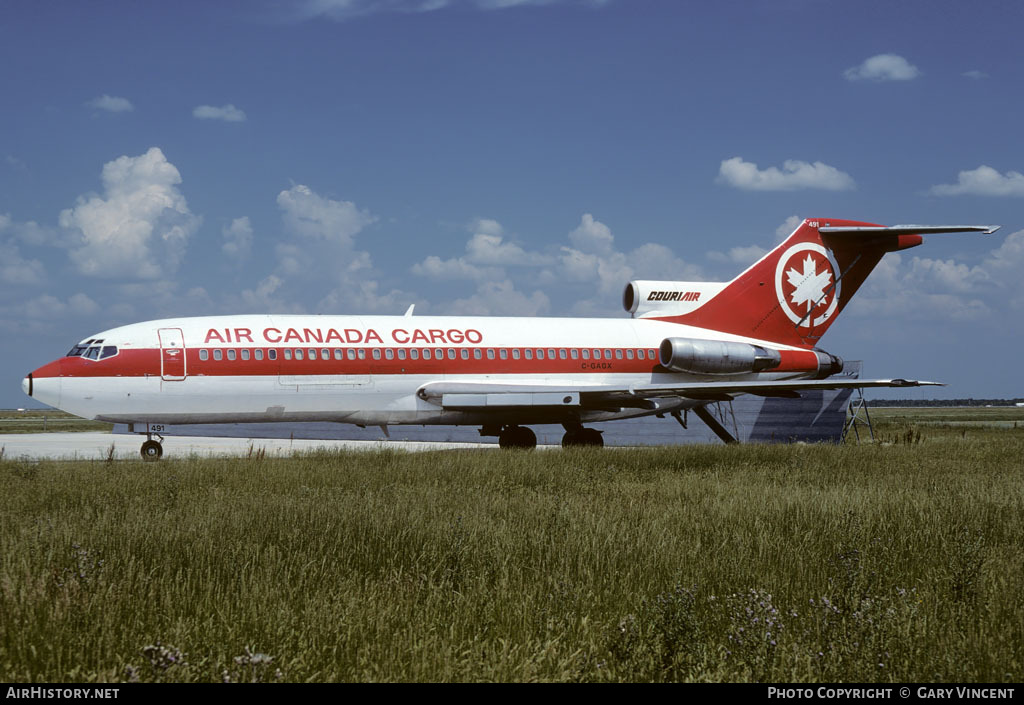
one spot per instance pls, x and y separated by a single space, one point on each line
704 415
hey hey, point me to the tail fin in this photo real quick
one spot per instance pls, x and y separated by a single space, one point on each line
794 293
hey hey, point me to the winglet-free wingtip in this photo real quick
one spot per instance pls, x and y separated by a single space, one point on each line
915 383
992 229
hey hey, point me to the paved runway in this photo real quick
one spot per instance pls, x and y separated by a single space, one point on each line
96 446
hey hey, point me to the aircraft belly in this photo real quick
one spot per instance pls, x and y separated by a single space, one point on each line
382 399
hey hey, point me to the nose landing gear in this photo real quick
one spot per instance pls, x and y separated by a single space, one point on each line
152 450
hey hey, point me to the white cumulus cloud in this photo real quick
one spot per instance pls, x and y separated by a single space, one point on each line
487 253
983 181
309 215
237 239
341 10
227 113
883 67
793 176
111 104
139 227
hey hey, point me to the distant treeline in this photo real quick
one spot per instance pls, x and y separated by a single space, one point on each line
945 402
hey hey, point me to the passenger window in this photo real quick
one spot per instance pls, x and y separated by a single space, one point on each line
325 354
574 354
464 354
540 354
218 354
272 354
607 354
477 354
451 353
528 354
299 354
231 354
503 353
287 353
426 353
401 353
245 353
259 353
414 354
651 354
515 353
204 354
490 353
351 354
339 354
362 354
562 354
597 354
618 354
629 354
376 353
389 354
586 354
551 353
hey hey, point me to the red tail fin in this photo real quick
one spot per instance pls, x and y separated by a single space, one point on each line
794 293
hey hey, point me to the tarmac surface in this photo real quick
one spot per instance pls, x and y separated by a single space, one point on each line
96 446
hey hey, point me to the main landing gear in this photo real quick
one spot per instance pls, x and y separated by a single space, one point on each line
578 436
511 436
152 450
517 437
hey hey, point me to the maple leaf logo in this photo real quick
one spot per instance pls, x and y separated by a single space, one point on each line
809 285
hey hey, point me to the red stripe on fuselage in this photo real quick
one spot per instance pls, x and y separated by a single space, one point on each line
146 363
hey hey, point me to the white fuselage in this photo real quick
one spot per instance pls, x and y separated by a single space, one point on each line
356 369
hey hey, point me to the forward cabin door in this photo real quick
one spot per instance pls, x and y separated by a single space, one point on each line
172 354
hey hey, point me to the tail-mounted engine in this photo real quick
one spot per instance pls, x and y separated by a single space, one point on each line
720 357
646 299
716 357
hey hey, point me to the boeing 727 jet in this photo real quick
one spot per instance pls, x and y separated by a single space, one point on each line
686 344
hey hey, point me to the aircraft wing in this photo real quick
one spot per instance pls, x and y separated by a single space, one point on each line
486 395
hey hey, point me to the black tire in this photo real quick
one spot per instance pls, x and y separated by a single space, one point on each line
517 437
592 437
526 438
151 450
582 438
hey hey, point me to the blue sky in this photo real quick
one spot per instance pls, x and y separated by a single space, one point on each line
505 157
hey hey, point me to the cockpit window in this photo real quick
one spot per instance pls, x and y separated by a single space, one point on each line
90 351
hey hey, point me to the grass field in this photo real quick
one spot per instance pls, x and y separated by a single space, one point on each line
901 560
46 421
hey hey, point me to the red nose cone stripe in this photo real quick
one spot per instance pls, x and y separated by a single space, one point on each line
50 369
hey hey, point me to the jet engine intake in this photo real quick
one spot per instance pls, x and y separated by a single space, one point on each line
717 357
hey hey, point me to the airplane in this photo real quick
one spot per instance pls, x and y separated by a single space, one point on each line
686 345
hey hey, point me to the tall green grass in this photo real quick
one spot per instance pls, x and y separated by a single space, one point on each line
894 562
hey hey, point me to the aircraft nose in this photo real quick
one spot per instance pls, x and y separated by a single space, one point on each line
44 384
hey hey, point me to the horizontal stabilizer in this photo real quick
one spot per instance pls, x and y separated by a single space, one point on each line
906 229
